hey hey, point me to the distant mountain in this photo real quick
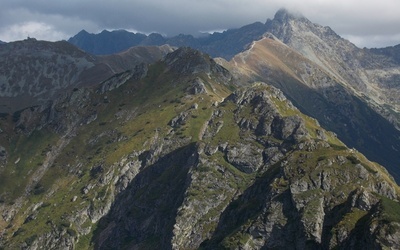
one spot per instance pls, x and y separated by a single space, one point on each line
107 42
225 44
1 42
392 52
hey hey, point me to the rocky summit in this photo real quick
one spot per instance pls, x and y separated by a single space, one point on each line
162 147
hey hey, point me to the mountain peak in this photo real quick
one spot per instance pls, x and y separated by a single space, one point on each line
283 15
83 32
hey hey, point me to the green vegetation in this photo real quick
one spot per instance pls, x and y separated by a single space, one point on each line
349 220
26 155
390 210
353 159
237 239
131 123
230 131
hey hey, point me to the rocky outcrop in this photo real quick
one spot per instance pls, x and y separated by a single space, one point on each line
180 119
245 157
197 87
116 81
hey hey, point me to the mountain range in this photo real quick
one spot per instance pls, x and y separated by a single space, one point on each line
255 138
367 81
226 44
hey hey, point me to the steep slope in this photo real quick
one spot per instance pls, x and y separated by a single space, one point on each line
373 77
38 71
323 96
170 158
261 172
102 129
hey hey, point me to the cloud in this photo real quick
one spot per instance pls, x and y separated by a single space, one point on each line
364 23
373 41
357 19
19 23
31 29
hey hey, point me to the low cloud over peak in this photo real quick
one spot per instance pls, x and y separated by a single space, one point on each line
356 20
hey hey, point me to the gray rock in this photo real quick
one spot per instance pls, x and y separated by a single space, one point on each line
179 120
197 87
272 155
291 127
139 72
245 157
299 186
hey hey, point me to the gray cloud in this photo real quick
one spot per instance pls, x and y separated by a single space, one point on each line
363 22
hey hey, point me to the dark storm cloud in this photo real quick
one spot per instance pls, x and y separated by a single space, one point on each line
365 22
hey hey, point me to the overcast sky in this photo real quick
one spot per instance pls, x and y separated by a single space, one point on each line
364 22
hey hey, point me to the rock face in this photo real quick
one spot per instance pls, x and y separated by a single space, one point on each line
166 156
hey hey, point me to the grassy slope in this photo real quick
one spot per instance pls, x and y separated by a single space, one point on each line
151 103
146 107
